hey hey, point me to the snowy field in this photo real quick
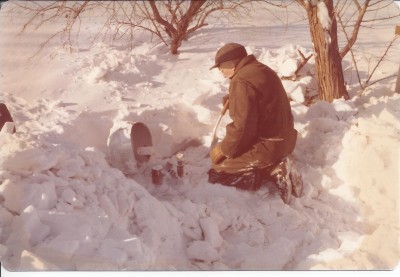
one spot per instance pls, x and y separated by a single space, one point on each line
70 202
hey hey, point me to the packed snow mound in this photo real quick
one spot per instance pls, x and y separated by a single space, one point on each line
48 188
72 204
107 64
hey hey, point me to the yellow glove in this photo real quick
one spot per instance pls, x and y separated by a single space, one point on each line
216 154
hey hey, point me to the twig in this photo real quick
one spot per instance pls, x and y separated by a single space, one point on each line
384 78
351 51
304 61
381 59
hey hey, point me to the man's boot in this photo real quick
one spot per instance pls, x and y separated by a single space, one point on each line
295 178
280 174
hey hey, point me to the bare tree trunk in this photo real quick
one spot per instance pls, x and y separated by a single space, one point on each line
175 44
331 83
397 89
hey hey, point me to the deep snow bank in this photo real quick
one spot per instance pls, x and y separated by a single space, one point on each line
359 146
74 211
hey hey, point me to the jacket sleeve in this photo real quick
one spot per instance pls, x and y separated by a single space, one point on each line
242 131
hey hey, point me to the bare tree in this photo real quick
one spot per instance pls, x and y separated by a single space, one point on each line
181 18
323 17
323 29
171 21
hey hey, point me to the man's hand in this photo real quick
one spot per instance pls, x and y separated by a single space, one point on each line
216 154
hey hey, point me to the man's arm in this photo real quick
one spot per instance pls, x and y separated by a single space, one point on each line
241 133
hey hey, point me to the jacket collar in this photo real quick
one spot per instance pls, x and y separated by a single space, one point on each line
243 62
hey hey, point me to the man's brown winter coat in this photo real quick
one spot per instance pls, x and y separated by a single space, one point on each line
262 131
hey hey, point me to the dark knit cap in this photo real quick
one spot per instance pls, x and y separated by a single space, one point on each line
228 52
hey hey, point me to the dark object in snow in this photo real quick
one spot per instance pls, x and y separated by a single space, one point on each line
169 168
140 140
157 175
179 165
5 116
247 181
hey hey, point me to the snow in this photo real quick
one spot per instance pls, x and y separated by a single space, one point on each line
73 198
323 16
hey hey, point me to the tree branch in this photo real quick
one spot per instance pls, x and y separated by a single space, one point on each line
304 61
169 27
353 38
380 60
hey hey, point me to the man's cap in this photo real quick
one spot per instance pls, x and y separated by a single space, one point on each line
228 52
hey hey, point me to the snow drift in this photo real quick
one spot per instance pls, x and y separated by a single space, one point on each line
67 205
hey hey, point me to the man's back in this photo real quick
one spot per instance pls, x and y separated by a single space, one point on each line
274 113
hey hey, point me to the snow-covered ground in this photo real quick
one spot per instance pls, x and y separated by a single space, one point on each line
64 207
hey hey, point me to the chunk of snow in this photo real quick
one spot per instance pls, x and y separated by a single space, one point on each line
69 196
3 250
203 251
109 250
288 68
298 94
29 230
275 256
96 74
30 261
58 249
323 16
19 196
350 241
211 232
